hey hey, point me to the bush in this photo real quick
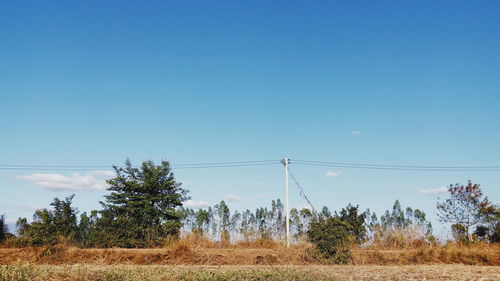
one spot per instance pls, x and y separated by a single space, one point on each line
331 239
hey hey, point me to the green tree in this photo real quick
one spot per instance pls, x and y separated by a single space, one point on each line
202 221
224 220
21 225
464 206
49 226
3 228
88 233
331 238
142 206
296 223
350 215
490 219
394 219
325 213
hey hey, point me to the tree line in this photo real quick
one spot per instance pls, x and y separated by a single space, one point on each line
144 208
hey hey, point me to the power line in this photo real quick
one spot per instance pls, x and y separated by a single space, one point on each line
102 167
36 167
301 191
397 167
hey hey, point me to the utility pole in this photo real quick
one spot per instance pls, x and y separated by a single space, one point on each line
287 212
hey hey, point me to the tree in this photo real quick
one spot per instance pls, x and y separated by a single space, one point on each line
201 221
142 206
88 233
49 226
247 225
3 228
332 239
463 207
278 218
394 219
224 220
21 225
296 223
357 221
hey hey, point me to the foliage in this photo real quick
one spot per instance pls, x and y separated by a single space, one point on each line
220 224
398 228
490 219
142 206
224 220
331 238
3 229
465 206
356 220
49 226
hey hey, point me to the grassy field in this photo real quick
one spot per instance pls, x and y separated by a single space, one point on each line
283 273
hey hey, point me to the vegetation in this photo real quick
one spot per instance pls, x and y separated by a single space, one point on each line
142 206
4 231
141 211
144 209
467 208
399 229
331 238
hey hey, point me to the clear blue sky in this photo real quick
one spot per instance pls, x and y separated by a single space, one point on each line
381 82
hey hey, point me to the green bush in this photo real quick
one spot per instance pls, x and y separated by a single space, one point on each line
331 239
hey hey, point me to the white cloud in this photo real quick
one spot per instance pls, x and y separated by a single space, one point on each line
356 132
231 197
434 191
57 182
333 173
107 174
196 204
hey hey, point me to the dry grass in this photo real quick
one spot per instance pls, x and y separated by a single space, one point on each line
479 254
197 251
284 273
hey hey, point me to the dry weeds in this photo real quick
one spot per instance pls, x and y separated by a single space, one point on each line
189 252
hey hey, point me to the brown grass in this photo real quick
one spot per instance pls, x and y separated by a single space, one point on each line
196 251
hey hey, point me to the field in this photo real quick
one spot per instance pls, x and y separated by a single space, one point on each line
285 273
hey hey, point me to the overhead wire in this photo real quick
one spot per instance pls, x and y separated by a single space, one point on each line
102 167
301 191
37 167
397 167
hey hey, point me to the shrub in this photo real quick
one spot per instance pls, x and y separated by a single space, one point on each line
331 239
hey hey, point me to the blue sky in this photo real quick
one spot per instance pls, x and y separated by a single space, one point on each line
380 82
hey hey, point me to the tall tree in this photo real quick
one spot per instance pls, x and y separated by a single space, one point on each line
463 207
224 220
350 215
201 221
3 228
143 204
